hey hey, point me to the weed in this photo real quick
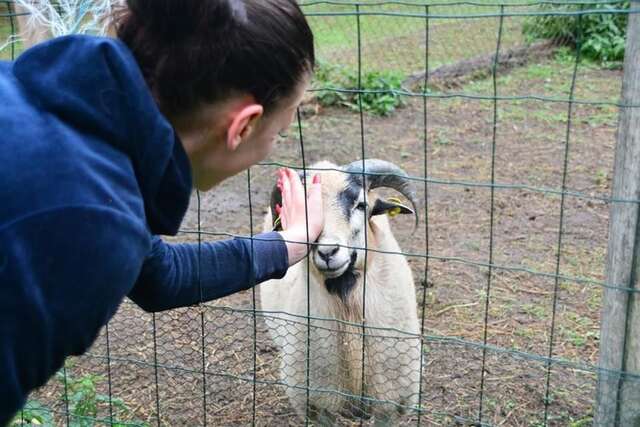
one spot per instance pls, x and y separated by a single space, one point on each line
580 339
84 402
586 421
602 176
535 310
528 334
594 302
376 90
441 139
603 35
33 414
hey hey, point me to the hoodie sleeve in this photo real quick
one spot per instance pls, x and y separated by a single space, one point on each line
172 277
63 273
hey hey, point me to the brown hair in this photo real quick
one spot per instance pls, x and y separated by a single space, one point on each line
193 52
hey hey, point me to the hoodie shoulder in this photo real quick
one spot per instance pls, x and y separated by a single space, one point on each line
87 79
82 101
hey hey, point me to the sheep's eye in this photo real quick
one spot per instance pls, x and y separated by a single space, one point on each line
361 206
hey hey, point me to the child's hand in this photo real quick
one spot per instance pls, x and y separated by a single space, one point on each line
292 213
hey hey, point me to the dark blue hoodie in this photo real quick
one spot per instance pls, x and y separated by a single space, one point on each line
90 172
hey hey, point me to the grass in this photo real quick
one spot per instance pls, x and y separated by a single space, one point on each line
390 43
398 42
552 78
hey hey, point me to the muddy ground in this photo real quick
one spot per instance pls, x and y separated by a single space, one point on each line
452 282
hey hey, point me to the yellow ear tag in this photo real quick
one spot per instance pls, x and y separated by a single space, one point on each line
393 212
276 223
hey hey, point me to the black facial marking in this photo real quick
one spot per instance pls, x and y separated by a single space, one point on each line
347 198
342 285
355 180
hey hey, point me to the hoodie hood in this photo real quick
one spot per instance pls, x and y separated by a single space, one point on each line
95 85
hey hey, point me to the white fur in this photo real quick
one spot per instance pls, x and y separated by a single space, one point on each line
392 358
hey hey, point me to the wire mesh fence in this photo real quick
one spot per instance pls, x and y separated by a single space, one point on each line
508 137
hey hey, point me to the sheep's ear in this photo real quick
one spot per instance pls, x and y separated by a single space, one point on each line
391 207
277 226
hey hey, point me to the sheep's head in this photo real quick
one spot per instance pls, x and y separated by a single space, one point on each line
349 206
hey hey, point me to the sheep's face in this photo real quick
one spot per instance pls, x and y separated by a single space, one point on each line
338 255
344 209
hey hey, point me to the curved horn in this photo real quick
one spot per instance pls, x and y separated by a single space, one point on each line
380 173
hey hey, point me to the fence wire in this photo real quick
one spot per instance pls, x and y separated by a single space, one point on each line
507 134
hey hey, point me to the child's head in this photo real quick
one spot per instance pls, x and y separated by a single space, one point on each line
227 73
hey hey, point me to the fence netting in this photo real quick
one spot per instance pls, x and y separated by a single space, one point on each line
504 116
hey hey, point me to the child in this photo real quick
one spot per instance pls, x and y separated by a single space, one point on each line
102 141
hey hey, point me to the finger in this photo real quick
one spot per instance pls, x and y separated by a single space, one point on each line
286 201
296 184
315 203
286 189
315 191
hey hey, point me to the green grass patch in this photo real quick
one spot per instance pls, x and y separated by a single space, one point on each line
398 42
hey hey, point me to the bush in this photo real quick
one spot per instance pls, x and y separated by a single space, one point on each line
378 86
603 35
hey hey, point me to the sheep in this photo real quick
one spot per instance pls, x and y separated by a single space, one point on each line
336 286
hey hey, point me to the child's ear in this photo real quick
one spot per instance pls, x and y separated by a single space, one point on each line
243 124
391 207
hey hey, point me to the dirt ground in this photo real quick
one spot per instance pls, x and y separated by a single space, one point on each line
452 282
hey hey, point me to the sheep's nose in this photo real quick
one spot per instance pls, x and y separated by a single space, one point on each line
326 252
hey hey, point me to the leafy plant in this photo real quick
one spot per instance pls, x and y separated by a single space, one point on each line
33 414
82 396
378 89
83 400
603 34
